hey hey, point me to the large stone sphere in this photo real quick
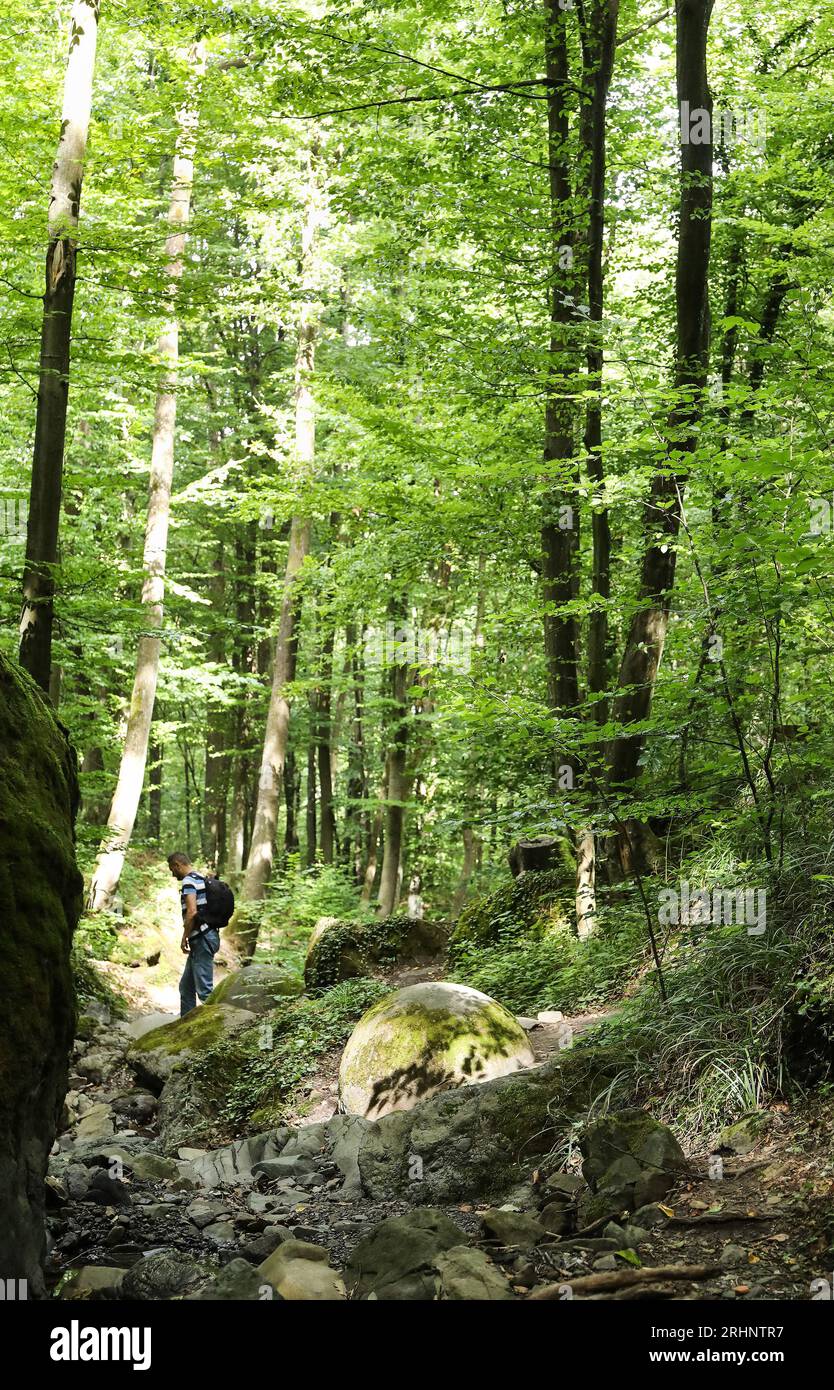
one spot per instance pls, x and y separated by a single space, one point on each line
423 1039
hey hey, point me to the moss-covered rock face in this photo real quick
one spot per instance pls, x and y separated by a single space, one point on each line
531 905
40 902
158 1053
257 988
349 950
423 1039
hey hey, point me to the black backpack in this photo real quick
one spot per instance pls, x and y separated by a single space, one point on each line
220 904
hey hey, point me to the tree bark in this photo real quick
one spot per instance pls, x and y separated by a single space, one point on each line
323 748
216 777
560 516
53 385
599 43
262 848
662 516
125 803
310 815
396 793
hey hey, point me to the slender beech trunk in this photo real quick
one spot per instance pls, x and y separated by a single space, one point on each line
356 815
262 847
560 504
649 625
396 792
125 803
375 826
292 787
216 777
56 333
93 806
599 42
323 734
244 663
598 32
310 818
155 791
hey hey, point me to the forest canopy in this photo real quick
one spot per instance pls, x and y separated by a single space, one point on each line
476 358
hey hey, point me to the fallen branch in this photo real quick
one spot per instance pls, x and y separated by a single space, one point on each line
622 1279
717 1218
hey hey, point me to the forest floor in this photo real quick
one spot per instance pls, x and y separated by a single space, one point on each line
759 1228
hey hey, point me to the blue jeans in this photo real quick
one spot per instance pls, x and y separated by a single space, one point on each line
198 975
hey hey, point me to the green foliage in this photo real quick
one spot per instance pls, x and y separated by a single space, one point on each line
298 896
530 906
90 985
265 1082
556 971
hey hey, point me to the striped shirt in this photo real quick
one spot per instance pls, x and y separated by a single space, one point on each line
193 883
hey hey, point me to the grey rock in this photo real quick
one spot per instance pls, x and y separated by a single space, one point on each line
162 1275
261 1247
397 1259
732 1256
467 1274
650 1216
742 1138
93 1282
77 1178
513 1228
556 1218
346 1134
237 1282
300 1273
468 1142
107 1191
151 1167
220 1233
295 1167
606 1262
202 1212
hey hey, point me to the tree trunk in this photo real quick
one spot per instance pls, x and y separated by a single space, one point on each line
292 782
598 33
94 807
322 704
390 879
649 625
262 848
243 661
56 332
310 810
155 791
470 855
599 41
372 844
357 815
125 803
216 776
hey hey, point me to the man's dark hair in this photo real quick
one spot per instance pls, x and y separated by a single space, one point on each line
182 859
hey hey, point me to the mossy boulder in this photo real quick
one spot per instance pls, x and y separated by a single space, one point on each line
629 1160
423 1039
40 903
481 1141
348 950
256 988
531 906
156 1055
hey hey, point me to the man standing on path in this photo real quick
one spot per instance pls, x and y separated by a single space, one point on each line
200 943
